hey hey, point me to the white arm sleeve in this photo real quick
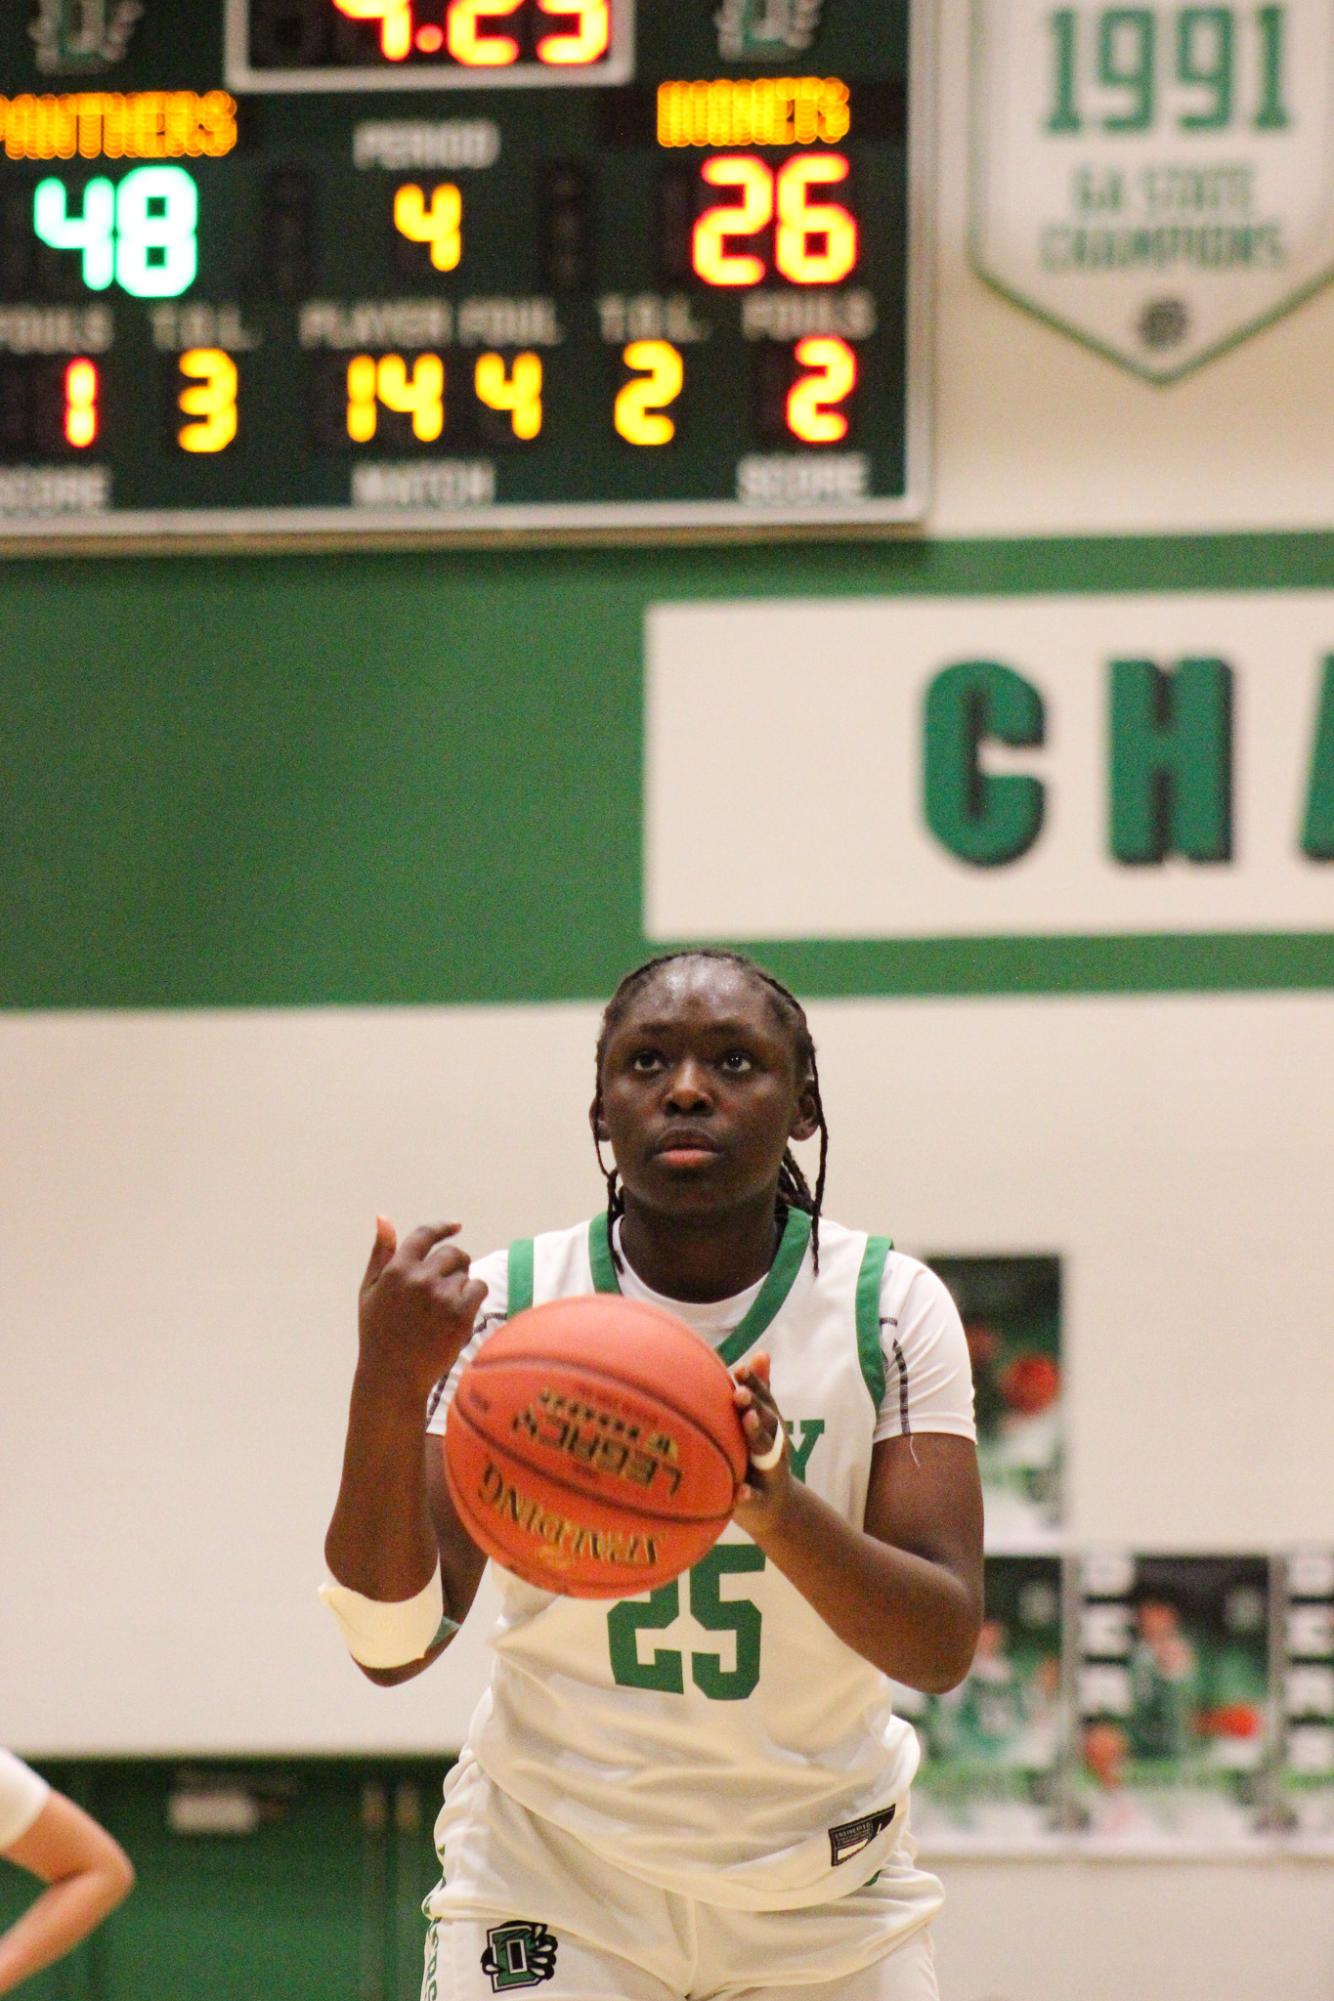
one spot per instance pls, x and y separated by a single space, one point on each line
23 1794
928 1379
494 1271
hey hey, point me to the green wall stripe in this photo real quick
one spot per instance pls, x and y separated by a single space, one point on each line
416 778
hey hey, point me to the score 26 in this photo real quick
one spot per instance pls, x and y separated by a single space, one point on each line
815 242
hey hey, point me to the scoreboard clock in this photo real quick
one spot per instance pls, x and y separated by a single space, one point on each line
346 267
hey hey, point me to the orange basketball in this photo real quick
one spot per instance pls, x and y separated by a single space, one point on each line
593 1448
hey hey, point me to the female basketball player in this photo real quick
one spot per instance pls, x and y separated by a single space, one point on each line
85 1870
702 1792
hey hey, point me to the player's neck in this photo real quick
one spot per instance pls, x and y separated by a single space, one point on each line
699 1258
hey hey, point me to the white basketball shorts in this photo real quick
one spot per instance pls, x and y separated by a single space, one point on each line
525 1907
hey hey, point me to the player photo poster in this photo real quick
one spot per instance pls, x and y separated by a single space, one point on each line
1174 1702
1011 1312
992 1748
1306 1765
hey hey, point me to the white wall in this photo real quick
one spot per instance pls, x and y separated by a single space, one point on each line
186 1202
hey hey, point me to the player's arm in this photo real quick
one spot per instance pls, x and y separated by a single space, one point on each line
86 1873
461 1565
904 1591
393 1530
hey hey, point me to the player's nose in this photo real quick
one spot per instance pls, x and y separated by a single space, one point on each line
688 1087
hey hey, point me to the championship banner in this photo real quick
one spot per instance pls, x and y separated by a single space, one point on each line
1158 180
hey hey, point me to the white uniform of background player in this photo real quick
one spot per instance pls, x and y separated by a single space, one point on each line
705 1792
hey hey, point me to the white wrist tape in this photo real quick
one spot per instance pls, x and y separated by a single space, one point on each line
764 1462
384 1634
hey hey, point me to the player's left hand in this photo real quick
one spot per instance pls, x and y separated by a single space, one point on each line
762 1493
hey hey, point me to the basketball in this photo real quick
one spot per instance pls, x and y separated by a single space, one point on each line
593 1447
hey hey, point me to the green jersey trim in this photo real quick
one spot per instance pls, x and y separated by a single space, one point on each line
870 1351
778 1282
520 1289
599 1255
773 1293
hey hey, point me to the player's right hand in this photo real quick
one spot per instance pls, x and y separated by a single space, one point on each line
417 1306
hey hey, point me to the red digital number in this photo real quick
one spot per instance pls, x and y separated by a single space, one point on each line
81 387
815 242
580 31
466 41
584 40
395 18
812 401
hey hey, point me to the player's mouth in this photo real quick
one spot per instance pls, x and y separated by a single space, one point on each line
685 1147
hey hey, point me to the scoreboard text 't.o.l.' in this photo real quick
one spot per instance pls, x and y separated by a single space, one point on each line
326 267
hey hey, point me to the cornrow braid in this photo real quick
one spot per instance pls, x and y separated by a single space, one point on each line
794 1191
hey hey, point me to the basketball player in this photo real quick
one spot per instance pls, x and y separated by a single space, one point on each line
86 1872
702 1792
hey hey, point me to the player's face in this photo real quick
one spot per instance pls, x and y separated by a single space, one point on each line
700 1090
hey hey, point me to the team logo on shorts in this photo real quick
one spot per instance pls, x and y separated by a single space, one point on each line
518 1954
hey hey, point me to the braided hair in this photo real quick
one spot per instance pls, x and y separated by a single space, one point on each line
794 1191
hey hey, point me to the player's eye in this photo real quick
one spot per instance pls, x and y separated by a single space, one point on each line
646 1062
737 1062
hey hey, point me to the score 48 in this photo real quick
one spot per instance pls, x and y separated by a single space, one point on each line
142 234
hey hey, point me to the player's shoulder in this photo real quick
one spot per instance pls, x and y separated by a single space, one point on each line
567 1236
912 1295
541 1240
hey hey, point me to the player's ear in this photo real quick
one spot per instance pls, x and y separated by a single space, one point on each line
807 1120
597 1124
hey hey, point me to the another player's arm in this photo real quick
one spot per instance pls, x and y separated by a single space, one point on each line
905 1592
86 1873
393 1521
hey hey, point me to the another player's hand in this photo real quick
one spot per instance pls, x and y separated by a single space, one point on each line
762 1494
417 1306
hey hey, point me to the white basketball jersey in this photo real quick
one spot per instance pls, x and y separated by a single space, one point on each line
714 1737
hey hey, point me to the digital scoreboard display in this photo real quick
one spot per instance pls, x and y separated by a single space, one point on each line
347 267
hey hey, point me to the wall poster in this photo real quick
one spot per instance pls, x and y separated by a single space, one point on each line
992 1748
1306 1766
1011 1313
1173 1701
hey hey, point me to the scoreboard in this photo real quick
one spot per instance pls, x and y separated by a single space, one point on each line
339 268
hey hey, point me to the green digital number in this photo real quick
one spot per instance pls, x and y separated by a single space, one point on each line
1130 64
92 234
664 1671
143 233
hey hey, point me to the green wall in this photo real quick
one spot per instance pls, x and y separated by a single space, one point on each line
322 1899
364 778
